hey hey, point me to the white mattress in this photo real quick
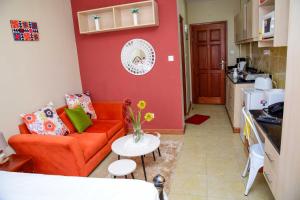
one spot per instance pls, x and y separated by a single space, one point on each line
21 186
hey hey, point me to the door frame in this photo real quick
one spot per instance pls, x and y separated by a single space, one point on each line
192 60
183 64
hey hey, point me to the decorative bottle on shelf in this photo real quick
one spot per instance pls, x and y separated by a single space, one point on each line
135 13
97 22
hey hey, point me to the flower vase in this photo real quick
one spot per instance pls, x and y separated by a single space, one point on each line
137 134
97 24
135 19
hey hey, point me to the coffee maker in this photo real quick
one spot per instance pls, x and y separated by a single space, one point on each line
241 64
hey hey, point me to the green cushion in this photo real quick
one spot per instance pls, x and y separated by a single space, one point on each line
80 120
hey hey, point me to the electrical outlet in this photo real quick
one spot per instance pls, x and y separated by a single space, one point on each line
171 58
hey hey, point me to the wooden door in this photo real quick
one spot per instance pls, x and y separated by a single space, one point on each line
183 64
208 52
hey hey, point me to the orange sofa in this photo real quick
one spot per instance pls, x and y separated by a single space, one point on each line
74 154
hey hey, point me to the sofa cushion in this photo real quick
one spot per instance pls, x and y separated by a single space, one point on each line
45 121
110 127
64 117
90 143
82 100
79 118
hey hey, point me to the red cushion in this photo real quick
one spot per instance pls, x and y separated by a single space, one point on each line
90 143
64 117
110 127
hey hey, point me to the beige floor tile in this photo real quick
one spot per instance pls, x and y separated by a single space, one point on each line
188 183
176 196
224 187
195 143
222 150
197 152
223 167
218 198
195 166
210 163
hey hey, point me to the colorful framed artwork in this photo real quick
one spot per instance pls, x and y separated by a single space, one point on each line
24 30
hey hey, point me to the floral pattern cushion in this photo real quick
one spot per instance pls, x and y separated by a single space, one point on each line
45 122
82 100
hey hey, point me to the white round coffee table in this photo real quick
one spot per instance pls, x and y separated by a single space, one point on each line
122 167
125 146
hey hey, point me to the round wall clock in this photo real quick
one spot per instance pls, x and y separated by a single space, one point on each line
138 56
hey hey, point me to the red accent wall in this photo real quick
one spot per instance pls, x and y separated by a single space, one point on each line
104 76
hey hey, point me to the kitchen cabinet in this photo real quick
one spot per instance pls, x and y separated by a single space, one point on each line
271 160
247 22
281 9
244 19
252 20
234 101
271 135
238 28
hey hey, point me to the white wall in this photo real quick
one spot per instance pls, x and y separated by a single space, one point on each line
202 11
34 73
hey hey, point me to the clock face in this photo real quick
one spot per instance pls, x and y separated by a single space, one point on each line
138 56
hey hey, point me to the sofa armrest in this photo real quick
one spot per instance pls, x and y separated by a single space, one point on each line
109 110
51 154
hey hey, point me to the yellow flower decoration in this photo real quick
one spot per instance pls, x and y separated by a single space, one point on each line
141 104
149 116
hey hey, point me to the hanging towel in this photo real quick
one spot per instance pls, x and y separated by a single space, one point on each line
247 129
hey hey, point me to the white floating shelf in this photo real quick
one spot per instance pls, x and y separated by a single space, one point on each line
118 17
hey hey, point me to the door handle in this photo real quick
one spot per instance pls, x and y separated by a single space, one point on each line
222 64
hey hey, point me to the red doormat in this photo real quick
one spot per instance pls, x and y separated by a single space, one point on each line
197 119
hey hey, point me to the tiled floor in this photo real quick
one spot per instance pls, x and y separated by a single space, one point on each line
211 161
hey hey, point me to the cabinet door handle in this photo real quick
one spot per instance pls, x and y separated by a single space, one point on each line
269 157
268 178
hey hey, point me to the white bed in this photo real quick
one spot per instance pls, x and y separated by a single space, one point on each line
21 186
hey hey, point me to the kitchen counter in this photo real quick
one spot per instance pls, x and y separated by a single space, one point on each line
272 131
234 100
237 80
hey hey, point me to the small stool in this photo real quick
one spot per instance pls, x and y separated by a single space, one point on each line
122 167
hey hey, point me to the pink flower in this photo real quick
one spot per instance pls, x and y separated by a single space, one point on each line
29 118
49 126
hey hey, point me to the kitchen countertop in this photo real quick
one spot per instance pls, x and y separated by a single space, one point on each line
238 80
272 131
